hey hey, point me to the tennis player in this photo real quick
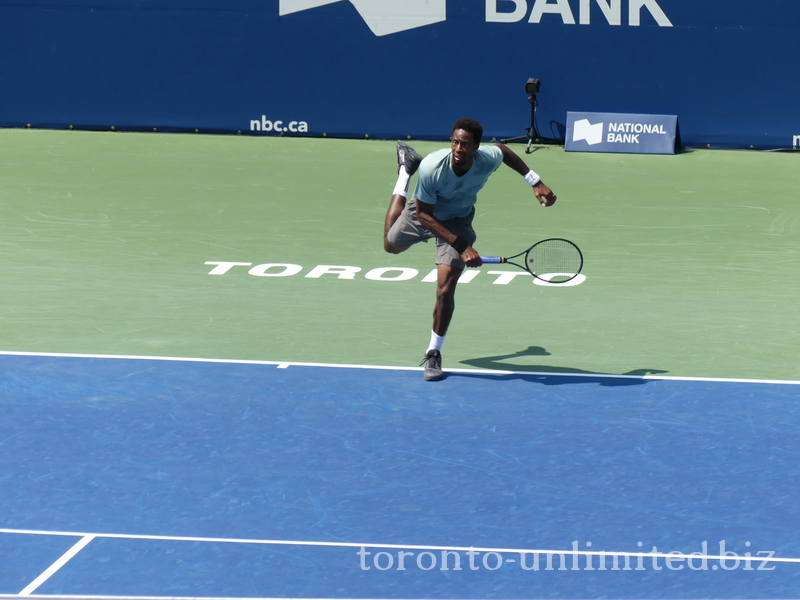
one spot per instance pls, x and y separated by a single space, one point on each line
443 206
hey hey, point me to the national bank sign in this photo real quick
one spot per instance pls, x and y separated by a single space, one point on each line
622 133
384 17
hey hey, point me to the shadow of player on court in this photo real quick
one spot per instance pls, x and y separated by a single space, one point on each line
548 374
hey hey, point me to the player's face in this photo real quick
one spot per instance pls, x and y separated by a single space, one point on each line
464 147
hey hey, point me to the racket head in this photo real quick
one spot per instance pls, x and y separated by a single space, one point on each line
554 260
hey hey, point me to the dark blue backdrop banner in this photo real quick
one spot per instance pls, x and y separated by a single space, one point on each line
392 68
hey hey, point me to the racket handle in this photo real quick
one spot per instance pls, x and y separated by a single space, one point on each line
493 259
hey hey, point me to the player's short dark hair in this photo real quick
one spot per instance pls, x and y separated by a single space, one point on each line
469 125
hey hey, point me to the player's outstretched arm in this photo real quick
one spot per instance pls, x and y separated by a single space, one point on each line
543 193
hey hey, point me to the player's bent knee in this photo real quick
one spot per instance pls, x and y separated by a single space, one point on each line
391 248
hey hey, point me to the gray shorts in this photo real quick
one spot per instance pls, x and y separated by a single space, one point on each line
407 231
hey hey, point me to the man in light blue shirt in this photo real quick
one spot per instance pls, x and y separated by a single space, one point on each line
453 195
443 207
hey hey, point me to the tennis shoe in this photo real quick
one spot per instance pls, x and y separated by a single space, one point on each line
407 157
433 366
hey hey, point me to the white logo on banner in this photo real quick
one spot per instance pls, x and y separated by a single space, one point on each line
382 16
392 16
584 130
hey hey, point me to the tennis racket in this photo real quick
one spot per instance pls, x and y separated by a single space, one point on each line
555 260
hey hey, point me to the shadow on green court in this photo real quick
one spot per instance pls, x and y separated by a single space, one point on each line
510 362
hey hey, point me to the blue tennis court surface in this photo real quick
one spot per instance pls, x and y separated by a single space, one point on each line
184 479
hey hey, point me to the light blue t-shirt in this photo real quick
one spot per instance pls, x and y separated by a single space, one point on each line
454 196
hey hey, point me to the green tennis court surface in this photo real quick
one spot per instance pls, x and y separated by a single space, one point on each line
109 239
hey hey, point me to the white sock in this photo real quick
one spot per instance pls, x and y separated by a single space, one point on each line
436 342
401 187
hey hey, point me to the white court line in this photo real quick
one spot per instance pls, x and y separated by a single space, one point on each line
52 569
282 364
693 555
96 597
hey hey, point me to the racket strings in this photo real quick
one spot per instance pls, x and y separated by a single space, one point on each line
556 260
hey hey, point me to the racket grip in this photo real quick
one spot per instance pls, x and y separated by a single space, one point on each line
492 259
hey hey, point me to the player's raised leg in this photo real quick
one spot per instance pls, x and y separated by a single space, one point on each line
407 164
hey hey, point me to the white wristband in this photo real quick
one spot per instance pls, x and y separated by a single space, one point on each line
532 178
